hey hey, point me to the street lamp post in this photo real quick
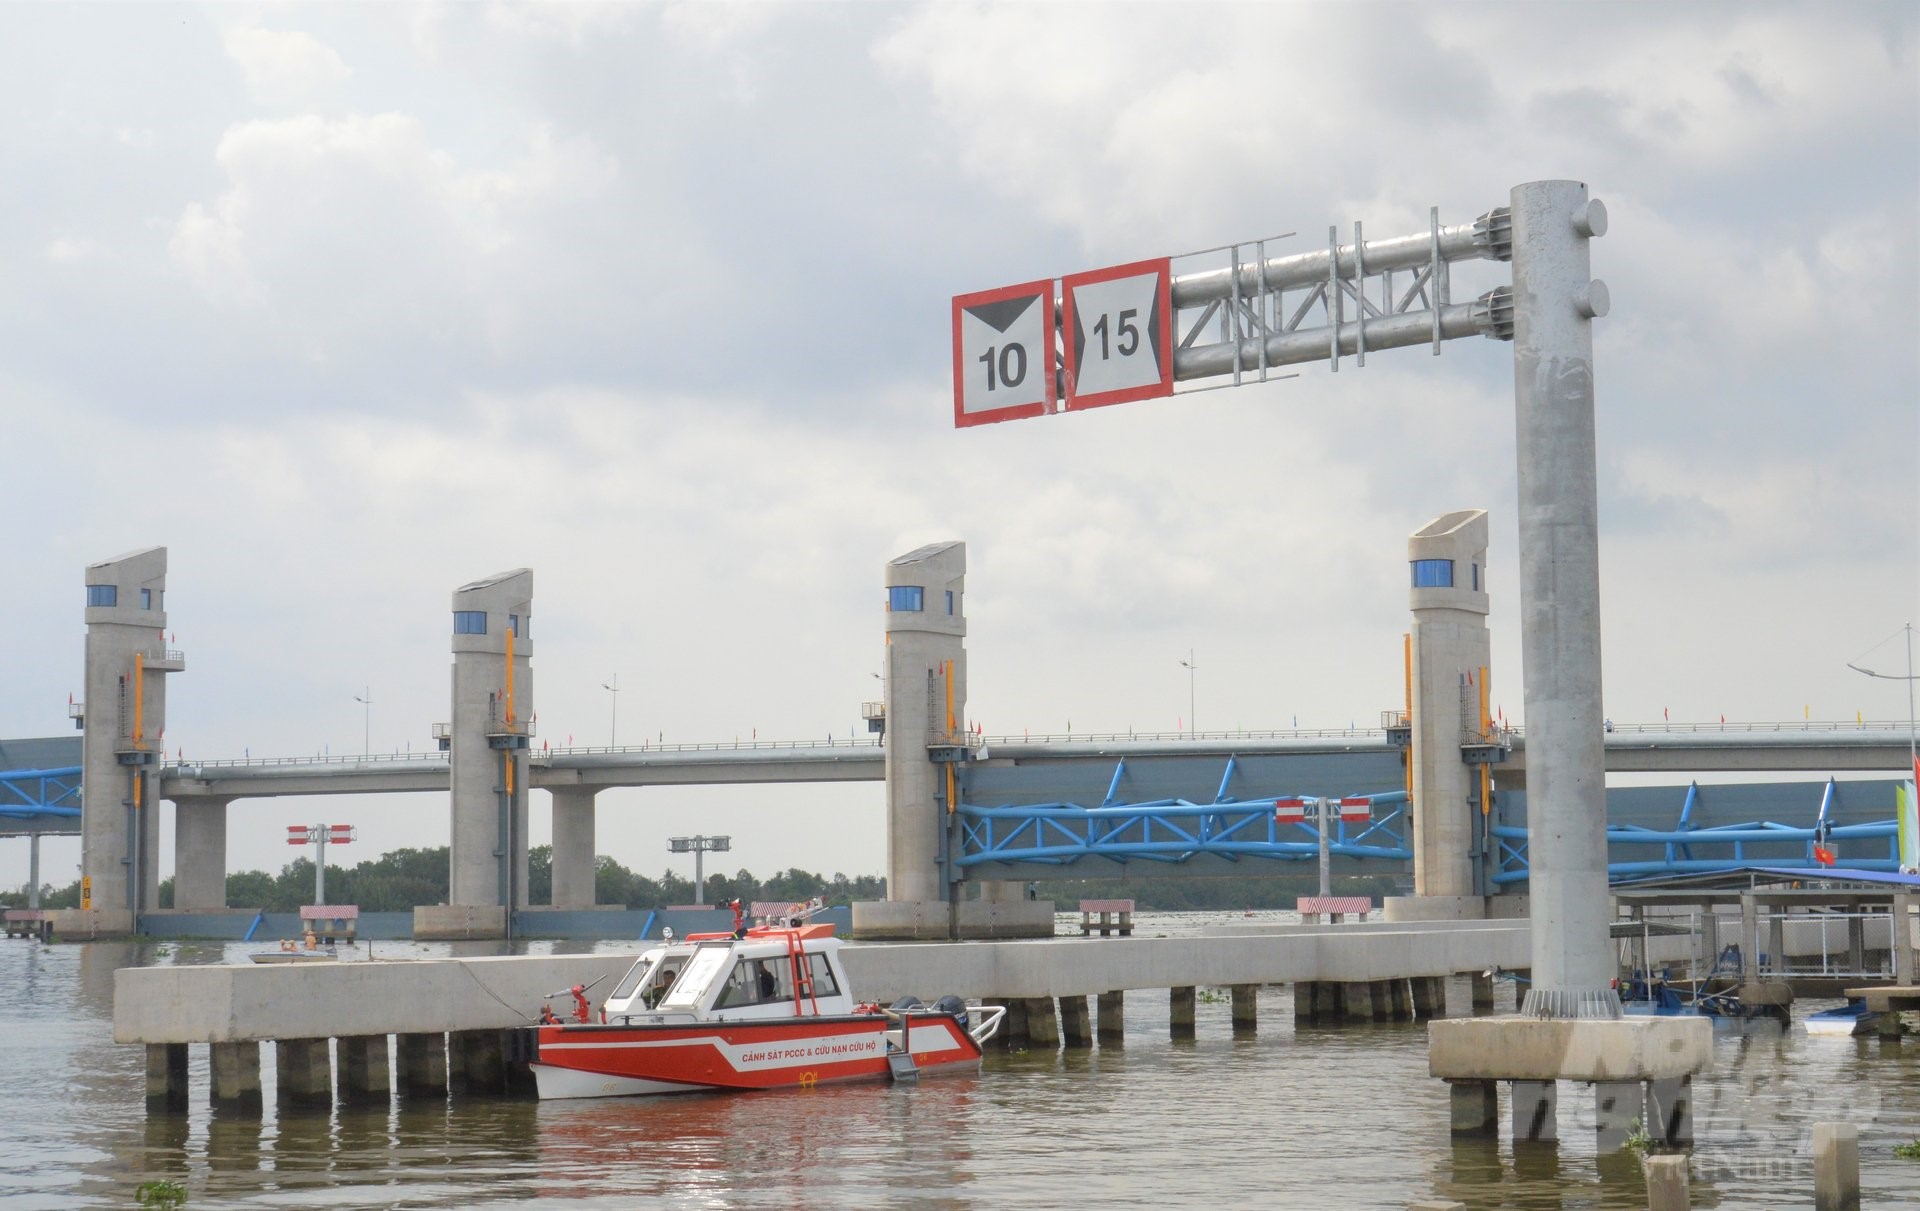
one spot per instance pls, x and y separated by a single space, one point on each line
1913 729
1190 666
699 847
365 699
613 713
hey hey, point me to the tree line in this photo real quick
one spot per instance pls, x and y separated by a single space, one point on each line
399 880
403 878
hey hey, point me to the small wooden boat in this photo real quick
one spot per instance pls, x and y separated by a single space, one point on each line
760 1008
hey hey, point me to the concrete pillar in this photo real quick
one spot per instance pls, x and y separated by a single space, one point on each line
1014 1029
166 1076
1399 1000
1555 301
926 628
1246 1008
364 1070
421 1060
1902 940
483 1060
304 1071
491 730
1111 1014
1667 1183
1856 945
1328 1004
1482 992
1777 942
1180 1003
235 1069
1474 1107
1429 997
1075 1028
1617 1107
1043 1029
573 825
1303 1003
1670 1110
1836 1167
200 851
1534 1111
1451 647
126 662
1356 1001
1749 939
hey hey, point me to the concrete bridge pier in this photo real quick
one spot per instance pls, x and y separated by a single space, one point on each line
1180 1003
1111 1015
1246 1008
166 1076
1075 1028
200 851
304 1070
235 1070
1043 1029
573 841
420 1065
365 1073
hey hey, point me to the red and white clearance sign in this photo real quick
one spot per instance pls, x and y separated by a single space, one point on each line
1118 325
1003 354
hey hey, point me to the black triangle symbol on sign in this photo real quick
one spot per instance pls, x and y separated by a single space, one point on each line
1000 315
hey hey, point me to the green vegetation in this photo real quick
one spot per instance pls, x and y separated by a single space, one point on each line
397 881
1908 1151
160 1194
1637 1138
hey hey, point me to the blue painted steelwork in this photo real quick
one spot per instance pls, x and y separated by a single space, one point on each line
1168 830
40 792
1679 843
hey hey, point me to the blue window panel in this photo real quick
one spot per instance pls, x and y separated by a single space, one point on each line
949 601
907 597
103 595
146 599
469 622
1476 578
516 626
1433 573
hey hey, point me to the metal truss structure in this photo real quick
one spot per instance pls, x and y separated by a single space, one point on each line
1674 849
1169 831
1259 313
40 792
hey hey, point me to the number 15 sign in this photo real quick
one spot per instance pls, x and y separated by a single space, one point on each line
1115 338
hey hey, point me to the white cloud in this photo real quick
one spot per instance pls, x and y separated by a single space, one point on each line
284 67
69 249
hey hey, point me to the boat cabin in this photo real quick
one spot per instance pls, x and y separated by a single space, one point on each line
773 972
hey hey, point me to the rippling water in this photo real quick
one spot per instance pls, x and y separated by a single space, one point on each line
1316 1118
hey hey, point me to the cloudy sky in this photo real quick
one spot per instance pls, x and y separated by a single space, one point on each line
347 305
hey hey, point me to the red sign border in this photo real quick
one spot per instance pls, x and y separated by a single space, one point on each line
1163 266
962 419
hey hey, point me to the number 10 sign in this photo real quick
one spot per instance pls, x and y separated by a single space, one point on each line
1115 337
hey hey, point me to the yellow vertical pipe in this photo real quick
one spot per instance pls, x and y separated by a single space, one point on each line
1486 724
1486 733
139 698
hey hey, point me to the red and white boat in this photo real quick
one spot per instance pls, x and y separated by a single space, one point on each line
761 1008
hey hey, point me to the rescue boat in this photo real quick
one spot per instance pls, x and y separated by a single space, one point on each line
766 1007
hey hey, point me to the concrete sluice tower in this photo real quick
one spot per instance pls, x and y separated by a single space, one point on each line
1449 668
124 714
927 750
487 758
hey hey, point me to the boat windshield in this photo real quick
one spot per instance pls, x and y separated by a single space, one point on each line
691 988
634 976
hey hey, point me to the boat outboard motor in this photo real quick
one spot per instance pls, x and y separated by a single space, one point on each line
955 1006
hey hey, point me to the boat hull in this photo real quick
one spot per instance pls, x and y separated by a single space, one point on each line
572 1061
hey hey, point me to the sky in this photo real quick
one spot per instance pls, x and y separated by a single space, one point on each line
349 305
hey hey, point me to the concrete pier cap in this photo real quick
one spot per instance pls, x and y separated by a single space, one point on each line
1568 1049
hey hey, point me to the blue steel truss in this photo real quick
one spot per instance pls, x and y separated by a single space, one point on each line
40 792
1674 848
1170 830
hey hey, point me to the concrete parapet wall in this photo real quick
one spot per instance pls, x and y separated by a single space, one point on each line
454 922
70 924
927 920
1567 1049
207 1004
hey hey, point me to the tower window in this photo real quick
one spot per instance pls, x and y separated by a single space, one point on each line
1476 578
1433 573
514 624
907 597
949 601
146 599
469 622
103 595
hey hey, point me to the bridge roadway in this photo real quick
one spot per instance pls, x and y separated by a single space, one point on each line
1730 748
242 1002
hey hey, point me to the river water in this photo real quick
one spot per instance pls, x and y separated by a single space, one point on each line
1310 1118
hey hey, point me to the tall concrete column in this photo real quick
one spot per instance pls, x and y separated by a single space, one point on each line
926 644
1450 659
125 723
1555 301
200 851
573 824
492 710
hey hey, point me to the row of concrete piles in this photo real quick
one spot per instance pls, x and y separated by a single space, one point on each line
1034 1022
371 1069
